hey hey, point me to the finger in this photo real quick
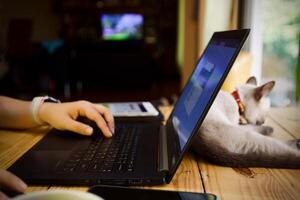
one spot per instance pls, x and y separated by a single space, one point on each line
107 116
92 114
78 127
9 181
3 196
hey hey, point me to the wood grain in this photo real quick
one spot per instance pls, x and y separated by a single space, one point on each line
187 177
226 182
36 188
252 183
288 119
84 189
13 144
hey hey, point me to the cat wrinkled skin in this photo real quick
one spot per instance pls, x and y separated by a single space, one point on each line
222 140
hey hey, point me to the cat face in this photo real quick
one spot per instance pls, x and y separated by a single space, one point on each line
255 99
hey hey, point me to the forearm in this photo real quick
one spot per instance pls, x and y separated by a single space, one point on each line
15 113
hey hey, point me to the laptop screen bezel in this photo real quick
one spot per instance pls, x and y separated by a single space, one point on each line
241 35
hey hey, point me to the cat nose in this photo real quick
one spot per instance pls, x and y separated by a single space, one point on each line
260 122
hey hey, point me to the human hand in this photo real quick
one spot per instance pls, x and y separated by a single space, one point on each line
63 117
9 181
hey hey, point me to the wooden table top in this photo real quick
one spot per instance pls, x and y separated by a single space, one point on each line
194 174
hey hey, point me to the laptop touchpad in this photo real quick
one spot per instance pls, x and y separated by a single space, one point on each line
37 162
57 140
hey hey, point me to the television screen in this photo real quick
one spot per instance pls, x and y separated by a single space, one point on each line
122 26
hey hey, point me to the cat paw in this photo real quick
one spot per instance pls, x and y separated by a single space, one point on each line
267 130
294 143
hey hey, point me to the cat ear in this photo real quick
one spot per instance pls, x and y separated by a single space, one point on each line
263 90
252 80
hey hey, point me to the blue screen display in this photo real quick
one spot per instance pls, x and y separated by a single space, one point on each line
124 26
200 88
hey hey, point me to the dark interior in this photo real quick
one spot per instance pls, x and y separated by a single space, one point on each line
79 63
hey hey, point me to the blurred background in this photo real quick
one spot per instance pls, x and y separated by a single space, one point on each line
128 50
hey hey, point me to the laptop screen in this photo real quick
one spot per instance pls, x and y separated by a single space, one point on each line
200 87
203 85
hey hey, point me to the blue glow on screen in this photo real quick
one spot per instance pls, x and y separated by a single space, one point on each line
199 89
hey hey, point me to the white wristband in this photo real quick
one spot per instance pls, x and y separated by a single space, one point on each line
35 107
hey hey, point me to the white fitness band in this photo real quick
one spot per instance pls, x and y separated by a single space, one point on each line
36 104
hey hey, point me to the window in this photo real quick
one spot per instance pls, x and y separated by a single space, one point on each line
280 35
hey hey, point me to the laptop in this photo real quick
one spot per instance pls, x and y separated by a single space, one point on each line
140 152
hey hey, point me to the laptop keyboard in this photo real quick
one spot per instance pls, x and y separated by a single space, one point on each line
106 155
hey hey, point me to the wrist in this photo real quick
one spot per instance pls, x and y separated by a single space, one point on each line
39 103
42 112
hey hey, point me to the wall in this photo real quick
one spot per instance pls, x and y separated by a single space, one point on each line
201 18
190 44
45 23
217 17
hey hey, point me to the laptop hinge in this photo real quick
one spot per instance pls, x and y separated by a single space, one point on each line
163 150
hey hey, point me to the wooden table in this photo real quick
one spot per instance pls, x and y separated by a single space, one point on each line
195 174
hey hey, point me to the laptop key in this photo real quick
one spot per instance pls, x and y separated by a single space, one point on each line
106 155
121 167
82 167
